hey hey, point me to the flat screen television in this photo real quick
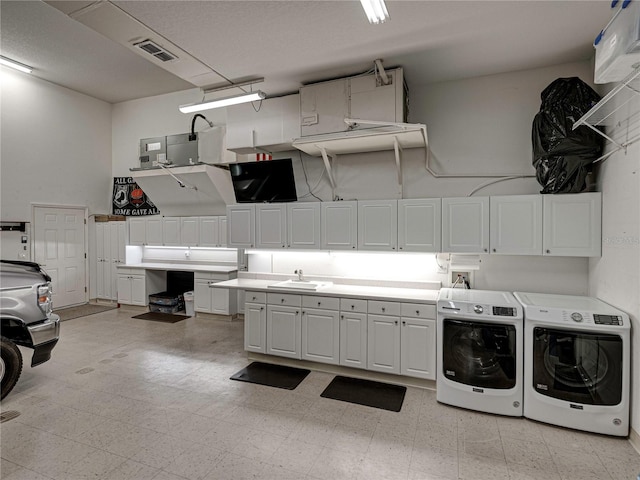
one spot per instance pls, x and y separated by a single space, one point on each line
268 181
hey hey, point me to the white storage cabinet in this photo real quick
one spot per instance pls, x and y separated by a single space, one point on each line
516 224
303 225
271 225
420 225
465 225
378 225
284 325
241 225
353 332
418 340
136 284
110 252
339 225
212 231
190 231
383 349
255 322
320 329
171 231
211 299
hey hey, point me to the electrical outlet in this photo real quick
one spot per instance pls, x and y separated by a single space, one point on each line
454 276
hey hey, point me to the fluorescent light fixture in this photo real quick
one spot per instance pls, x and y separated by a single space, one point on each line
376 10
17 65
222 102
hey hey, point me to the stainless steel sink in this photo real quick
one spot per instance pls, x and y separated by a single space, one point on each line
300 285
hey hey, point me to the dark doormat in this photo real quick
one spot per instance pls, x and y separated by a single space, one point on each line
278 376
366 392
161 317
82 310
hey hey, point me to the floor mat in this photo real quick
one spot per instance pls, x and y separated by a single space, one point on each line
82 310
161 317
277 376
366 392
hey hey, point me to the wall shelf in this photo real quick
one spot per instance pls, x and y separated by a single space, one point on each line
603 113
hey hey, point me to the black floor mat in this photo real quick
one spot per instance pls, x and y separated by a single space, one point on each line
366 392
277 376
161 317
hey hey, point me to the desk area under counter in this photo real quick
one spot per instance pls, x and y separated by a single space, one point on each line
137 281
372 328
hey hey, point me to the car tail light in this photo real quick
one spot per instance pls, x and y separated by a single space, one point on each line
44 298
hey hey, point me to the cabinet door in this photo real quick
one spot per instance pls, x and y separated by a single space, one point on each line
209 231
283 331
220 301
339 225
171 231
573 225
138 290
418 348
353 339
100 260
377 225
190 231
303 224
124 289
383 345
516 224
202 296
271 225
420 225
222 237
321 336
255 327
465 225
241 226
137 231
114 258
122 242
153 230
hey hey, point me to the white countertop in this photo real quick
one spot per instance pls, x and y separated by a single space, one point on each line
185 267
357 291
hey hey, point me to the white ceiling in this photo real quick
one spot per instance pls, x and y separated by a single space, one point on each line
293 42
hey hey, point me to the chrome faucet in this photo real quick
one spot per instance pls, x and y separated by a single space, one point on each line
299 272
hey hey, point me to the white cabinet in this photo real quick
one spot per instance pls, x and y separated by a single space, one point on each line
137 230
255 323
271 225
419 225
383 343
573 224
171 231
378 225
241 226
190 231
516 224
353 333
320 330
303 225
212 231
418 341
131 289
110 252
465 225
272 128
153 231
211 299
339 225
284 325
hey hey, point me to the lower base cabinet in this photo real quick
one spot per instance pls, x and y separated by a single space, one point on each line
283 331
383 343
131 290
209 299
353 339
321 336
255 327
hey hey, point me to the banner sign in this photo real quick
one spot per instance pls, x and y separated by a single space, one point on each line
129 199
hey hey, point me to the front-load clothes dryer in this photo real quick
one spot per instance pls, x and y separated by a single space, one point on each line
577 363
479 364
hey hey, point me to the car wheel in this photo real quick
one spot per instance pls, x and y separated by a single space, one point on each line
10 365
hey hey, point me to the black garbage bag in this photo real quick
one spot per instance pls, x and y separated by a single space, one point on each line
562 156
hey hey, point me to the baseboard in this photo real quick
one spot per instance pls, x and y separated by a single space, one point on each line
214 316
634 439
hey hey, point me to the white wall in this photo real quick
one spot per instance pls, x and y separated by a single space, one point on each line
615 277
56 147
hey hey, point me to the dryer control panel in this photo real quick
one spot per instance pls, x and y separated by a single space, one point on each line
600 319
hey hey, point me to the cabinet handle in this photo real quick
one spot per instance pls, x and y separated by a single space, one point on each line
353 246
395 321
352 307
548 251
318 303
342 317
261 308
417 312
485 249
383 309
400 248
254 298
297 312
282 300
302 312
404 323
494 249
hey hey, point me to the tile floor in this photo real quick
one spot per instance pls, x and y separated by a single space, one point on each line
132 399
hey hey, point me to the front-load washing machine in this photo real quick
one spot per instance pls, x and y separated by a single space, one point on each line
577 363
479 364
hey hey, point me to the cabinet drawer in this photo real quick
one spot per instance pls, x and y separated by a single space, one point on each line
131 271
384 308
284 299
326 303
418 310
255 297
353 305
217 277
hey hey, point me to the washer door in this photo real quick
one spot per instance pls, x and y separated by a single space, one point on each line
577 367
479 354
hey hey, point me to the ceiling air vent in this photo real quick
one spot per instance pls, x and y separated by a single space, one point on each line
156 50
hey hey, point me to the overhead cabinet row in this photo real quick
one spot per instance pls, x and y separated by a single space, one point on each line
208 231
561 225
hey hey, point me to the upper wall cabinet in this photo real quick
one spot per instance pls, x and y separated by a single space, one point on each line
241 225
419 225
465 225
212 231
339 229
516 224
137 230
270 125
378 225
303 222
271 225
190 231
573 225
153 230
171 231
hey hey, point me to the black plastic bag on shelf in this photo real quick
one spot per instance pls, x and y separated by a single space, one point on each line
562 156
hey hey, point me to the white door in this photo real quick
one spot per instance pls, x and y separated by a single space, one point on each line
255 327
101 256
377 225
516 224
465 225
209 231
321 336
303 222
283 331
418 348
222 237
137 231
271 225
339 225
190 231
202 296
124 289
353 339
153 230
171 231
241 225
138 290
419 225
59 235
383 346
118 253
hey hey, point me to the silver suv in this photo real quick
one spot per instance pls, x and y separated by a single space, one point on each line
26 318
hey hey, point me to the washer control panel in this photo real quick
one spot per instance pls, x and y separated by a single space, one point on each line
607 319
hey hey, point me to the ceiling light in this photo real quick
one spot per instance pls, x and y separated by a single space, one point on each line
222 102
376 10
17 65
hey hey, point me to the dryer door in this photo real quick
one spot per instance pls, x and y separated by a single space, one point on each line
479 354
577 367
